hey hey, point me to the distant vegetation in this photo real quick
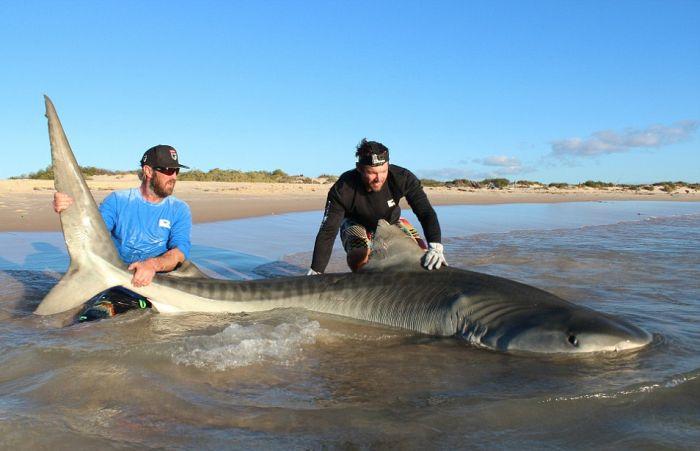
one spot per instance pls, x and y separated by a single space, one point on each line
431 182
88 171
279 176
233 175
496 183
214 175
462 183
329 178
526 183
592 184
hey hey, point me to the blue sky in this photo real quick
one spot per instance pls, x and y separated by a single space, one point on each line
539 90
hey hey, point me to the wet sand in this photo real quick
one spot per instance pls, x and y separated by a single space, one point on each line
25 205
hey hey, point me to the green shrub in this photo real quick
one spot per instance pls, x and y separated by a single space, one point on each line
559 185
459 183
233 175
630 187
599 185
526 183
431 182
496 183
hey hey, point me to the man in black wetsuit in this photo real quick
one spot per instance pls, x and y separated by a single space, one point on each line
363 196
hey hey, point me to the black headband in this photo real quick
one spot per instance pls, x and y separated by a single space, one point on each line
373 159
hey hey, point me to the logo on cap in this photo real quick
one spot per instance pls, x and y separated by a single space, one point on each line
173 154
377 160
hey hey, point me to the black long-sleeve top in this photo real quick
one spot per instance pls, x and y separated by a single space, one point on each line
349 198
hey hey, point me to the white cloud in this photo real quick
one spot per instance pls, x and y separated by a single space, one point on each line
447 174
607 141
507 166
500 160
512 170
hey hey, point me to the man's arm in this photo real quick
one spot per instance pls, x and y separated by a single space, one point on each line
434 257
332 217
418 200
145 270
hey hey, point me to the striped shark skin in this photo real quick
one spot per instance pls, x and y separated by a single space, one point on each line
393 289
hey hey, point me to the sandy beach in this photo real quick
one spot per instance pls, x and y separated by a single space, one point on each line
25 205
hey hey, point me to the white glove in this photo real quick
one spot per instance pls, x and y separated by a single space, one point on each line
312 272
434 258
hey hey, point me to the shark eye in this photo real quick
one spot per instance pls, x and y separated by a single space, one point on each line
573 340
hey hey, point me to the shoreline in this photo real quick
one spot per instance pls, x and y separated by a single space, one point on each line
25 205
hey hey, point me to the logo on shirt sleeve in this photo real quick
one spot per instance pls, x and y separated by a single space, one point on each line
164 223
325 213
390 202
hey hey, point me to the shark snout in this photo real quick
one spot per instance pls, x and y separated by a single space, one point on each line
630 338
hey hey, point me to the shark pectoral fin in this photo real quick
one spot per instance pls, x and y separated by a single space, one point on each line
74 289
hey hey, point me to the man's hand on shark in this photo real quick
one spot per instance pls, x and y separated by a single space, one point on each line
434 258
61 201
143 272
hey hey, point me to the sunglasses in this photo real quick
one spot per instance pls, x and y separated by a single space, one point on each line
168 171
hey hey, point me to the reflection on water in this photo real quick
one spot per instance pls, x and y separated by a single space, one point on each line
296 379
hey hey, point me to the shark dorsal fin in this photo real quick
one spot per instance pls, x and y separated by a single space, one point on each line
393 250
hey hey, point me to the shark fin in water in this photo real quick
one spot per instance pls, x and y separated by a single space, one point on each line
83 228
393 250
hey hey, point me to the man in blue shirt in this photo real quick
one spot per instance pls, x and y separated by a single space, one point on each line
150 227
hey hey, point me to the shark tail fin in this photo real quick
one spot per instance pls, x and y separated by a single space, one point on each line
392 249
87 239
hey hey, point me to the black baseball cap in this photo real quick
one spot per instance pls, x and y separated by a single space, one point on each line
371 153
162 156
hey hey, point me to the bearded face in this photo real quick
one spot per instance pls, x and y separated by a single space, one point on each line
373 177
162 185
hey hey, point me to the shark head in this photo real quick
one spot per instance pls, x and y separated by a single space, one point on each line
572 331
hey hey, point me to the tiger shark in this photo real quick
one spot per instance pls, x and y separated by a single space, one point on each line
393 289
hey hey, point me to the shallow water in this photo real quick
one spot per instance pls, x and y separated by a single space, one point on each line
297 379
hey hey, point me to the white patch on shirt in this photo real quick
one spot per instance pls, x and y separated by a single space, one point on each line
325 212
390 202
164 223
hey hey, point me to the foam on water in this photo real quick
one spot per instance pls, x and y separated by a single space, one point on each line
669 383
243 345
